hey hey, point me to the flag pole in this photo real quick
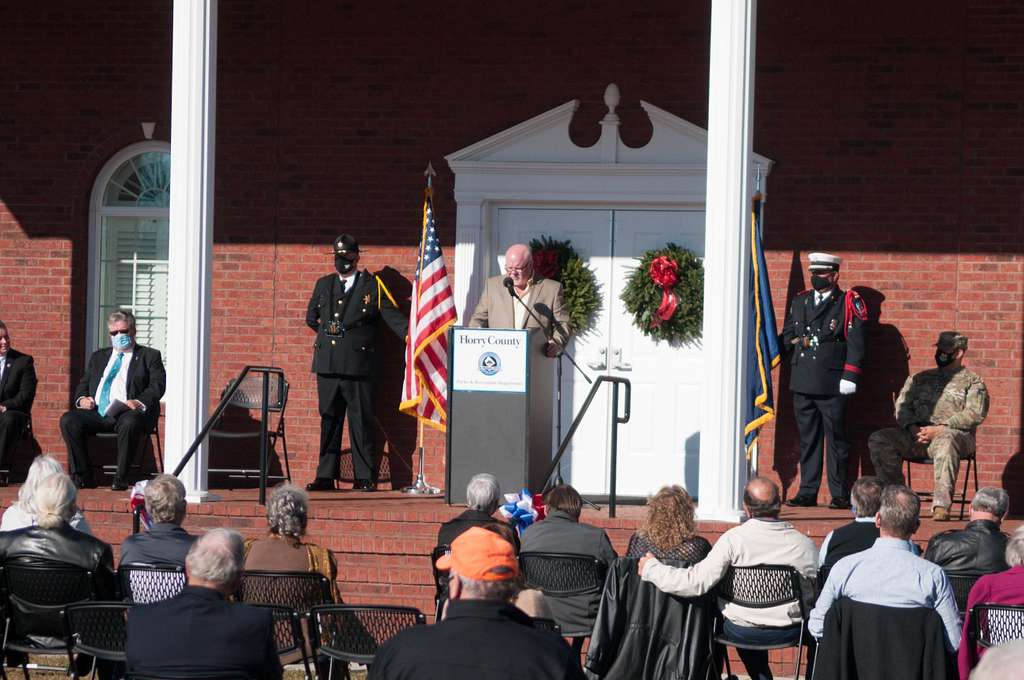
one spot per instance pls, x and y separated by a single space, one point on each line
420 486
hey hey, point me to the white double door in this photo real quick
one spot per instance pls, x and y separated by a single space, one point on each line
660 443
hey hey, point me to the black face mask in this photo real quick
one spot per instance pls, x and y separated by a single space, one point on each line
820 283
943 359
343 264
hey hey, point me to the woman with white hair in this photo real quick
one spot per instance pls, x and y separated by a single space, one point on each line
1006 587
22 513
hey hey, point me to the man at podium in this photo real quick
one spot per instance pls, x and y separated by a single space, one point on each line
539 303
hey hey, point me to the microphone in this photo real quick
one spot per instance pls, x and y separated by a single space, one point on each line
510 286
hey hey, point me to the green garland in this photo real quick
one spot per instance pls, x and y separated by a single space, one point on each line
558 260
642 296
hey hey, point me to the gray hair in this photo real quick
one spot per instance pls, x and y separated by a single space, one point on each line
217 557
866 494
991 499
165 499
121 315
1000 662
504 591
1015 548
55 501
900 512
42 467
288 511
483 493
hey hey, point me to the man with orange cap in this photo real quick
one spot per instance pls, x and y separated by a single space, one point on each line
483 636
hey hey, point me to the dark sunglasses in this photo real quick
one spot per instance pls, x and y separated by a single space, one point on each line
113 333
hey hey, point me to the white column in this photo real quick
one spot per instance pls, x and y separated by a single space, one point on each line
469 249
727 253
193 105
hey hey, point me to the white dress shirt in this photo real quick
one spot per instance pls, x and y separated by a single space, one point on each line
119 388
821 297
519 313
3 365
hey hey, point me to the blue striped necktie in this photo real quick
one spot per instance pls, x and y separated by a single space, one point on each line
105 392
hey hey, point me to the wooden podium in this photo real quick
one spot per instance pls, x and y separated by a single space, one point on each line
500 391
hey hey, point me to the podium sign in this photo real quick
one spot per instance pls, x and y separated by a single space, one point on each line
500 392
489 360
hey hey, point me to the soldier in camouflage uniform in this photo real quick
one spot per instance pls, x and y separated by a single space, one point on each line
937 412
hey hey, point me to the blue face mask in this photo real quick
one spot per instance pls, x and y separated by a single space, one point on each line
121 341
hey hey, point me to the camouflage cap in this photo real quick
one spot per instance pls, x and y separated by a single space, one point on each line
951 340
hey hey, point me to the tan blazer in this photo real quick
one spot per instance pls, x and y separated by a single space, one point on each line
495 307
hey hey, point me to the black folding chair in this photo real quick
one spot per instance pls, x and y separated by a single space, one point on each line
962 584
994 624
36 594
136 465
288 635
146 583
761 587
354 633
98 629
249 397
298 590
189 676
564 575
440 579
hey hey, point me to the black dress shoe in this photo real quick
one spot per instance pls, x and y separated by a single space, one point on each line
799 501
364 485
840 503
119 485
320 484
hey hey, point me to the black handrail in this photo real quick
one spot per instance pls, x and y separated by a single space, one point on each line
224 401
616 421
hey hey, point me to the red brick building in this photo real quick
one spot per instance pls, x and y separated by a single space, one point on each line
895 130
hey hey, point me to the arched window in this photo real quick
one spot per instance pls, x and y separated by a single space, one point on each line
128 237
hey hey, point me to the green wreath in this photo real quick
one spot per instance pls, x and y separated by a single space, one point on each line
665 294
559 261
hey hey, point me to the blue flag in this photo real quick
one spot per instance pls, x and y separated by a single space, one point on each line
763 338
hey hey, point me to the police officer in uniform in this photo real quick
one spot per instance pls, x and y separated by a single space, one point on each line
344 310
825 332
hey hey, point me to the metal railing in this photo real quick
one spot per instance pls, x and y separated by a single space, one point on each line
616 421
225 399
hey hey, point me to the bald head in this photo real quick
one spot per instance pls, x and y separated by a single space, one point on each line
761 498
519 265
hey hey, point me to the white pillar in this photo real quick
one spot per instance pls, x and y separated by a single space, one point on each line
727 254
193 105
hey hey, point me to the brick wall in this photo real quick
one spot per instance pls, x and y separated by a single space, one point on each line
896 135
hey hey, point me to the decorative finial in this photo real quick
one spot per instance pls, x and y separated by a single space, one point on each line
430 174
612 97
147 129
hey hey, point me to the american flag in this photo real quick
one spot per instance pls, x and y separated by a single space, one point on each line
425 385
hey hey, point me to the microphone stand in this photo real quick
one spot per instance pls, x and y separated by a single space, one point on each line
549 333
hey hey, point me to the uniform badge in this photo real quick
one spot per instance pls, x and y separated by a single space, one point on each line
832 325
366 299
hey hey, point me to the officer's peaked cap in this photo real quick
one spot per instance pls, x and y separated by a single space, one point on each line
346 244
824 261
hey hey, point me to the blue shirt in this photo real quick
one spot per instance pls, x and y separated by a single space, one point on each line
889 574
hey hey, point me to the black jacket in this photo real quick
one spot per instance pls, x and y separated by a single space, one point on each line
198 632
642 633
454 527
873 642
833 354
979 548
850 539
351 352
146 377
18 384
479 640
164 543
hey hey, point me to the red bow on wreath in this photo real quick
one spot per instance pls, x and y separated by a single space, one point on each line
665 274
545 263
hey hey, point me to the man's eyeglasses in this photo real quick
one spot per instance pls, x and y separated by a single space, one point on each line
122 330
515 270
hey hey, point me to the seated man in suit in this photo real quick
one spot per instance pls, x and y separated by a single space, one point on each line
120 392
17 392
199 632
497 309
165 542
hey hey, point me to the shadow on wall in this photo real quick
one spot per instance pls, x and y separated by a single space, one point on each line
787 438
396 437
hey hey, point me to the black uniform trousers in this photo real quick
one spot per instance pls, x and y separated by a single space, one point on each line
12 426
354 394
78 424
820 419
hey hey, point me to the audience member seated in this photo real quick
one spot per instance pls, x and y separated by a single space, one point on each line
888 573
860 534
120 392
980 547
22 512
562 532
283 549
483 496
1001 663
669 531
483 637
1003 588
166 542
199 632
530 601
762 539
17 392
53 539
